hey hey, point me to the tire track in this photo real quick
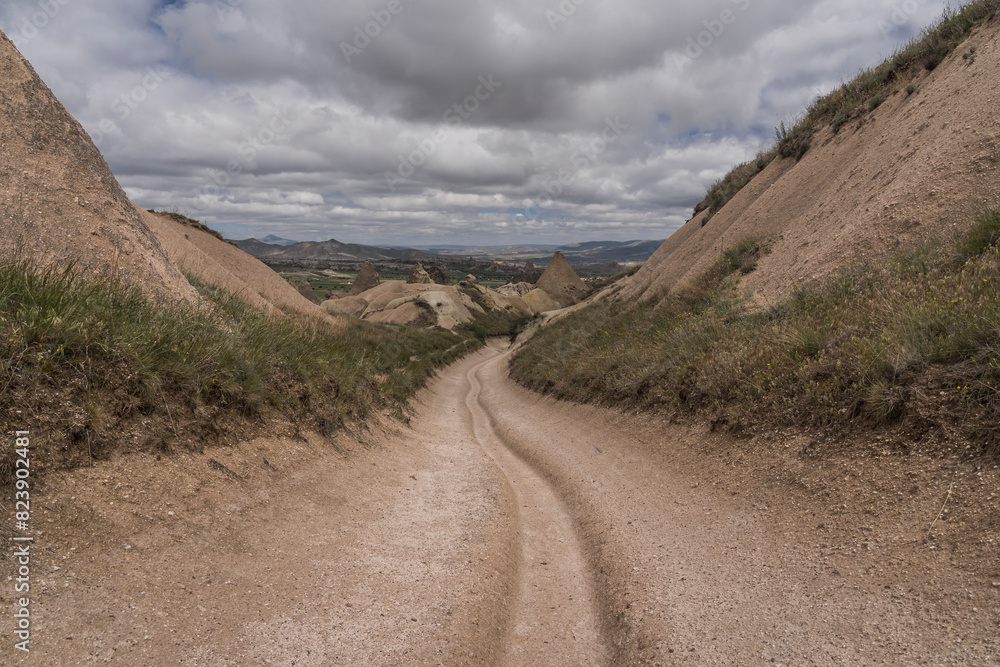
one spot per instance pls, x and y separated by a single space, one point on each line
554 616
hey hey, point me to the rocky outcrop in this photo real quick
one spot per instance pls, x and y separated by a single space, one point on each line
443 306
560 282
367 279
407 314
515 289
447 311
303 288
480 295
540 302
438 276
419 276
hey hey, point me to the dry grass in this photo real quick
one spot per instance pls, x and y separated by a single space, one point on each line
917 336
92 363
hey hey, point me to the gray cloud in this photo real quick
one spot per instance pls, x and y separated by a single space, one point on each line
313 119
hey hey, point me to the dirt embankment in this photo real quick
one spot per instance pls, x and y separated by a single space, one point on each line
59 202
499 525
223 265
915 168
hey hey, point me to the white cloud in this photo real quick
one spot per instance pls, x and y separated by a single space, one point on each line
249 115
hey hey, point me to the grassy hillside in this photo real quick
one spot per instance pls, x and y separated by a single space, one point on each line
95 368
852 101
912 341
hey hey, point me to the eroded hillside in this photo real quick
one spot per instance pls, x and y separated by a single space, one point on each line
914 167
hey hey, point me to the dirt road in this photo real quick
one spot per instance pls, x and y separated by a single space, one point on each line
502 528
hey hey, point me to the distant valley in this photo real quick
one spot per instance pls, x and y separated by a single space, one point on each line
275 250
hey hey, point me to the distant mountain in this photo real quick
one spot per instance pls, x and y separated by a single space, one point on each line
591 252
331 251
277 240
599 252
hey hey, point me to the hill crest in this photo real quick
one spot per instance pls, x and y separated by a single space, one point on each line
908 171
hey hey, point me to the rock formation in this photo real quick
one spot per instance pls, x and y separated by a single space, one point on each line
515 289
305 289
366 280
419 276
540 302
560 282
59 202
438 276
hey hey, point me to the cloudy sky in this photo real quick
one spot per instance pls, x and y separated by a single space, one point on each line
420 122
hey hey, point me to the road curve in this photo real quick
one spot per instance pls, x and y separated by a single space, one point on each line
555 614
499 527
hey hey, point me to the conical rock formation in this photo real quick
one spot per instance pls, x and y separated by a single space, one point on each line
305 289
367 279
560 281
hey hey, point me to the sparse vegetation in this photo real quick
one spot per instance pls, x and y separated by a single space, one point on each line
913 341
110 371
862 95
188 222
496 324
599 284
727 188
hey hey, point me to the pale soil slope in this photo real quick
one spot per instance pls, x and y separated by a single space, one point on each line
917 168
223 265
59 203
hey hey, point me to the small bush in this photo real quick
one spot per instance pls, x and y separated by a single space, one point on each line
794 142
876 102
496 324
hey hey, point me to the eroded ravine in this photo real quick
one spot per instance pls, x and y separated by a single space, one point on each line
554 616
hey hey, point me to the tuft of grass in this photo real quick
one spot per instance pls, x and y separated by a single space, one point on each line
984 235
105 370
911 340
